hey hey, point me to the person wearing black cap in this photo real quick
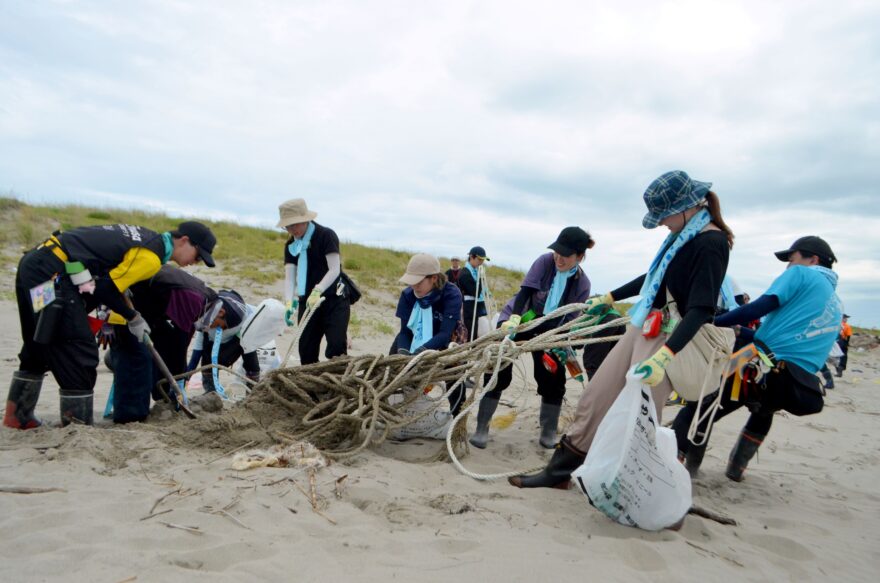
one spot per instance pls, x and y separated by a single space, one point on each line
81 269
218 342
472 289
555 279
688 268
802 316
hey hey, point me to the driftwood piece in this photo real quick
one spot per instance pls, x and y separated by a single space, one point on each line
28 490
706 513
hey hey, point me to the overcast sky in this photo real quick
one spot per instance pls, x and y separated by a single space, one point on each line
436 126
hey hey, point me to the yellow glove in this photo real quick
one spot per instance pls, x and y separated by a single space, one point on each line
313 298
654 369
597 304
510 325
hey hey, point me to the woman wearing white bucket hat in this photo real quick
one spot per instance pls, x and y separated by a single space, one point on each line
312 268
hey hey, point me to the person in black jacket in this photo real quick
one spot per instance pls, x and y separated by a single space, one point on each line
454 272
103 262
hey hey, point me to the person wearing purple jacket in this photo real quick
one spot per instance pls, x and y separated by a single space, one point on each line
555 279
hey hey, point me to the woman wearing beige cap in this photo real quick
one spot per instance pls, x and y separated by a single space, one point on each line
429 310
312 271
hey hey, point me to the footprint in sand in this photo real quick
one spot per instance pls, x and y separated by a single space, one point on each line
642 557
782 546
221 557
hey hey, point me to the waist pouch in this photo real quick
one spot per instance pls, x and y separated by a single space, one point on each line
802 379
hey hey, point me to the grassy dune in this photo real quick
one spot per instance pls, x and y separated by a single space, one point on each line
248 258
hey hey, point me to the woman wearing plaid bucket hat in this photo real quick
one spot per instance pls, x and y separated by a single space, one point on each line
689 267
312 268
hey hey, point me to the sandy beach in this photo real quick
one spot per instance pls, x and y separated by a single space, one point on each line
807 511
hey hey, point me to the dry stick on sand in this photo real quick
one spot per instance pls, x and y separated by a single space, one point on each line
149 516
192 529
28 490
159 501
31 445
314 502
705 513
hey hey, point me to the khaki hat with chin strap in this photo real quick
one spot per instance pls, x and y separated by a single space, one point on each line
294 211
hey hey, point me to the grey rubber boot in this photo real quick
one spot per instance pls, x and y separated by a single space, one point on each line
488 405
549 418
24 392
77 407
745 449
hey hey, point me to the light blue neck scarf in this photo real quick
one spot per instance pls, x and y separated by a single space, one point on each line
728 299
421 322
554 296
215 356
473 271
654 277
298 248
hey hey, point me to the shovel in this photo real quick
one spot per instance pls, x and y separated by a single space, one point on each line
169 377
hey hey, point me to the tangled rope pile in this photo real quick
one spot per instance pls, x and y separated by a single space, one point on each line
342 404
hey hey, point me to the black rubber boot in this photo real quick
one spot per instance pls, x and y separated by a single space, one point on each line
24 392
549 418
693 459
488 405
557 474
745 449
77 407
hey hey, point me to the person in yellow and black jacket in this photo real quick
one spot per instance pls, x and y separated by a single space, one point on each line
64 278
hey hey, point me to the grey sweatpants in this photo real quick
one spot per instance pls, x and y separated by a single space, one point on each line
609 381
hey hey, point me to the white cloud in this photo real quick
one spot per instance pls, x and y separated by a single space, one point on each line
437 126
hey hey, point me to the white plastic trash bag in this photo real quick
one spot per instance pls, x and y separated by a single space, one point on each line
631 472
433 425
836 351
268 357
264 326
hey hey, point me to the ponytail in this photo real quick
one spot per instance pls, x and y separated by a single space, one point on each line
715 212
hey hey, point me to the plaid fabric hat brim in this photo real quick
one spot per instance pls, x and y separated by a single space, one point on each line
672 193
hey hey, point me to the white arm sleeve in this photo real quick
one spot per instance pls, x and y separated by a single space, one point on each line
289 282
332 272
199 341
